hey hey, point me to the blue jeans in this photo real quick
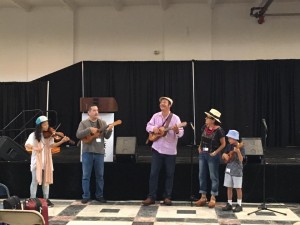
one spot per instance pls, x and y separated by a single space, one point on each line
209 166
156 163
90 159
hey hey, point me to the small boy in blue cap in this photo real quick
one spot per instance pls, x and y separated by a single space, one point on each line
233 155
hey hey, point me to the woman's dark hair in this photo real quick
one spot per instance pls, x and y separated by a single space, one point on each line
38 132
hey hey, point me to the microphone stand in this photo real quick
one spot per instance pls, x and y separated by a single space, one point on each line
263 206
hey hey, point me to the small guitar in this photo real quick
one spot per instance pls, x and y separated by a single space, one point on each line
88 139
232 153
154 137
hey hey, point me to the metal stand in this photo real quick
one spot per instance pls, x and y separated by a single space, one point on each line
193 147
263 206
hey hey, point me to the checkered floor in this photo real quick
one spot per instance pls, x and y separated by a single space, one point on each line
71 212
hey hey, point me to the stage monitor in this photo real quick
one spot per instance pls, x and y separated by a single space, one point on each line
125 145
12 151
253 146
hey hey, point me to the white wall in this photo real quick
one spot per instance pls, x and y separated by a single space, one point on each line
236 35
35 43
46 39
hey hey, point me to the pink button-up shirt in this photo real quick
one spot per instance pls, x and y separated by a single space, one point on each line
168 144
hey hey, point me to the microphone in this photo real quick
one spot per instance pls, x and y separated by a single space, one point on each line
192 125
265 124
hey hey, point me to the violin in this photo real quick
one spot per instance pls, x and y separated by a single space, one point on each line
231 154
51 132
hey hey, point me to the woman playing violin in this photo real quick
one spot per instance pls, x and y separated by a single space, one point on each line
41 158
234 155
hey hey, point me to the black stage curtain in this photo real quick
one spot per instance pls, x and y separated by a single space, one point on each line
137 87
18 97
245 92
64 93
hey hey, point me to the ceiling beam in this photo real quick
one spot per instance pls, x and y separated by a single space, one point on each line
164 4
118 5
22 4
69 4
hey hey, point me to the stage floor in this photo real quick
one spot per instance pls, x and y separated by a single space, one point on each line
72 212
127 177
186 155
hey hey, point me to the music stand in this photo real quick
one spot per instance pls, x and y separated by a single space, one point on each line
263 206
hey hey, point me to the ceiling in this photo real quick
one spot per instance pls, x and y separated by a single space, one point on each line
118 5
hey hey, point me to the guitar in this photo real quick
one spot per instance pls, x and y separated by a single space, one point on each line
232 153
88 139
154 137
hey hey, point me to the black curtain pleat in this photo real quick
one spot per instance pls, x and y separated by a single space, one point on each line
65 90
245 92
20 101
137 87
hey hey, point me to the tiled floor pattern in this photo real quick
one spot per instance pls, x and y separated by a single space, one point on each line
69 212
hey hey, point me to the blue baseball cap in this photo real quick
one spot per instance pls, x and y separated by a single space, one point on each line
41 119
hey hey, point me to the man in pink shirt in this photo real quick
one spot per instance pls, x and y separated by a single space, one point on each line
165 128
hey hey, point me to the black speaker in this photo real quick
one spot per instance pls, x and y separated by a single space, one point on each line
12 151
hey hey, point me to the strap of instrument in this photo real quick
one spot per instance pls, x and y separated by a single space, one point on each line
168 122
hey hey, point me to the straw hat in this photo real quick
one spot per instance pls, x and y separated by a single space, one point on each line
214 114
167 98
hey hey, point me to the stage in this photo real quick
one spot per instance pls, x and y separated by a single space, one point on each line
127 177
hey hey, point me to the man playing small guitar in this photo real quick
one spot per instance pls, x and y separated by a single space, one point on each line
162 132
93 152
89 138
166 126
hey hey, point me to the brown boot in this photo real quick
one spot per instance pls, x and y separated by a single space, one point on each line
212 203
148 201
201 202
167 201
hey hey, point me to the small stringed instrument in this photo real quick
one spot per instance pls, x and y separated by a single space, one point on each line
232 153
88 139
154 137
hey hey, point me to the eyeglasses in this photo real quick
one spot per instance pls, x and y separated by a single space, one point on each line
208 117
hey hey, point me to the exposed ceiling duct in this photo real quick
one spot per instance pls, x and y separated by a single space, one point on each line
260 12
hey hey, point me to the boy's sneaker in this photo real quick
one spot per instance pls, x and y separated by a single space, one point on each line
49 203
238 208
228 207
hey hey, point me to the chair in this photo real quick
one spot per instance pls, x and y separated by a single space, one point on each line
21 217
4 191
